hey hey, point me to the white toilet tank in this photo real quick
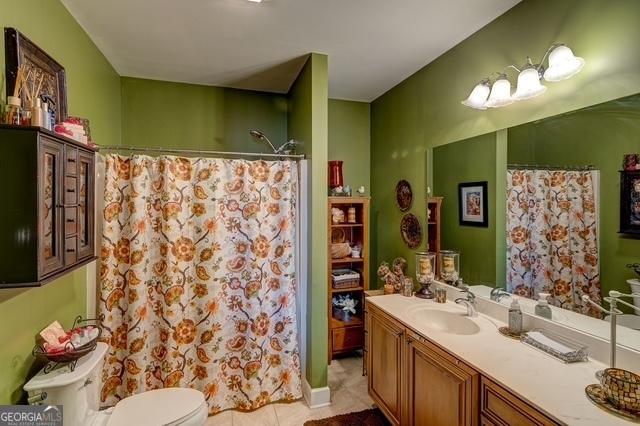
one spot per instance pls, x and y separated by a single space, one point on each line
78 391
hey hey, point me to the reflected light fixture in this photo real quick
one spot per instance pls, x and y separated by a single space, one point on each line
563 64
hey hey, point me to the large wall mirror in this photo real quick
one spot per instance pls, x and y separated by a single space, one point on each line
554 213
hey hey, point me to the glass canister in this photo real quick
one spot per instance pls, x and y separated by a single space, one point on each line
425 273
449 266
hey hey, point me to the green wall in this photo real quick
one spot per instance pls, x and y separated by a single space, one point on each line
471 160
308 123
424 110
94 93
350 140
177 115
599 135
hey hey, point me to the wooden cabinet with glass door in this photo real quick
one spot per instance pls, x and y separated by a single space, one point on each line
47 219
348 272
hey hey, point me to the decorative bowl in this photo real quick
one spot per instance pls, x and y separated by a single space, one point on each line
622 388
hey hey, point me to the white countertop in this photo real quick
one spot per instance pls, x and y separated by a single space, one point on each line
555 388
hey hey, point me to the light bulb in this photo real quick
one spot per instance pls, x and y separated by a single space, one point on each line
478 97
562 64
500 93
529 85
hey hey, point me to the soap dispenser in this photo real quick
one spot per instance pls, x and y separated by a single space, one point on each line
515 317
542 308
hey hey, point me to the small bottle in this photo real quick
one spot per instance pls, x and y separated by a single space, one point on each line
45 116
36 113
515 317
542 308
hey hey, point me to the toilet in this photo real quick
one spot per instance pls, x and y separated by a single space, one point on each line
78 391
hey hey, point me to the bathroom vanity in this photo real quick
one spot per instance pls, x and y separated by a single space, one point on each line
430 364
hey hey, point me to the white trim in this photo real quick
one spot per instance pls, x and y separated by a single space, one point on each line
316 397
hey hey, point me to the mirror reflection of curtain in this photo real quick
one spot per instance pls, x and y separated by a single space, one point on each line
552 241
197 279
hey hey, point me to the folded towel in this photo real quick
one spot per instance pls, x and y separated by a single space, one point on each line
546 341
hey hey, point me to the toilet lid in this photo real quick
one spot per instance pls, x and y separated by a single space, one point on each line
157 407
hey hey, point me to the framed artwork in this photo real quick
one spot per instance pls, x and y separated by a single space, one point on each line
473 205
20 51
630 202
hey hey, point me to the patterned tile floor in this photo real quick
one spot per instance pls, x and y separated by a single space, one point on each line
348 393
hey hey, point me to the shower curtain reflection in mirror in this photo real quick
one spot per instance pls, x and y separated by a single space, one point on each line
197 279
552 236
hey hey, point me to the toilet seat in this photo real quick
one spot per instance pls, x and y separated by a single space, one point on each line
166 407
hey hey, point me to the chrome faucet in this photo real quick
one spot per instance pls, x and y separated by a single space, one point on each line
498 294
469 302
613 313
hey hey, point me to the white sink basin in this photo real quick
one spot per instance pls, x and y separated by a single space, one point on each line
445 321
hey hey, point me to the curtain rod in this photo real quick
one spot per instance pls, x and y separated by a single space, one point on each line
194 151
585 168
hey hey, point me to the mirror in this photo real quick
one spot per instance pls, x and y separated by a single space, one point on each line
553 208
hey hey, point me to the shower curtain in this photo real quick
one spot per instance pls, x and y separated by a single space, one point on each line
552 241
198 279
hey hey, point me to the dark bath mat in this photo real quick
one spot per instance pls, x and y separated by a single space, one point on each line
370 417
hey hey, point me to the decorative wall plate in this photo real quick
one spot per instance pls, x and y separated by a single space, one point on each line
404 195
411 230
596 395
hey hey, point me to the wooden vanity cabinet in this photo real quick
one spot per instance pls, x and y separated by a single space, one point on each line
47 213
441 390
416 382
385 363
500 407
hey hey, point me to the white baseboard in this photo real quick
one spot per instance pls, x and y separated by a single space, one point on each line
316 397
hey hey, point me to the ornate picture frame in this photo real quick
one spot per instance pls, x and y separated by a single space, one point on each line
473 204
19 50
630 202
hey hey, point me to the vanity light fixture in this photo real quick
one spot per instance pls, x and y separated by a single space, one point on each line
478 97
529 85
500 93
563 64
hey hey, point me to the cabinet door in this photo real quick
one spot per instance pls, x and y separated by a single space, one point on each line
50 207
86 192
441 390
385 365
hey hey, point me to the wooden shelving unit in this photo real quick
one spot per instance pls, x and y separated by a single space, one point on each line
348 336
434 205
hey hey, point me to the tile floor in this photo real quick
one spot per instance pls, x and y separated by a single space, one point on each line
348 393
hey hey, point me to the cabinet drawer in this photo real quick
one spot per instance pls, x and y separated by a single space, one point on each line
70 191
70 221
347 338
71 166
70 250
501 407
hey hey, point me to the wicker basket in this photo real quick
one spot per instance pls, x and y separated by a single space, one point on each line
345 278
340 250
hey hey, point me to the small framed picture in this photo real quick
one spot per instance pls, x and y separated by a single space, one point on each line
630 202
473 204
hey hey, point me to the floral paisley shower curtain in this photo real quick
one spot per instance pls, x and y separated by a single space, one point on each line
552 242
198 279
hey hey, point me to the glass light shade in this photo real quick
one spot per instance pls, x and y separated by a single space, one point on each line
500 93
562 64
529 85
478 97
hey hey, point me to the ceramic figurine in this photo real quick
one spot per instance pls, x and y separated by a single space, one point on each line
360 190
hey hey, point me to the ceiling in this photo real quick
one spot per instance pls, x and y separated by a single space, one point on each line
372 44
